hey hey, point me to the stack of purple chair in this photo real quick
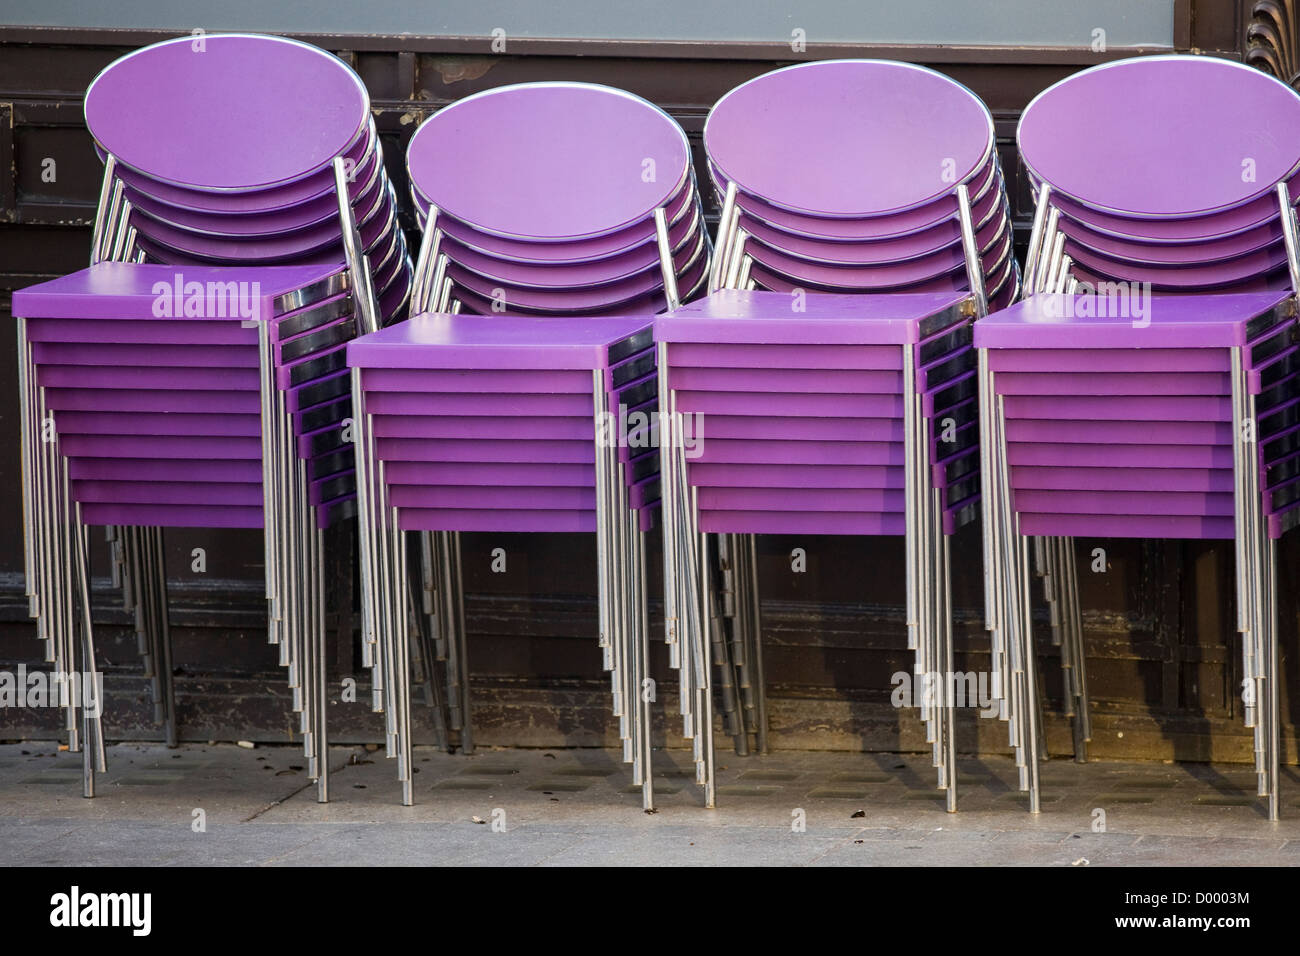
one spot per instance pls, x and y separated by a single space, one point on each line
205 399
850 415
852 177
1110 411
546 209
211 202
509 425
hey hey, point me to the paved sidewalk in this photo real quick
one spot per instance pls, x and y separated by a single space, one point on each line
564 807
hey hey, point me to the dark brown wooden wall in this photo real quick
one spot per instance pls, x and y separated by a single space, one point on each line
1163 656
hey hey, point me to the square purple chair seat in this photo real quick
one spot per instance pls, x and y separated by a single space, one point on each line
455 497
1119 456
787 522
116 290
1119 432
162 402
1113 383
1049 321
521 381
706 475
885 358
168 493
191 470
1173 503
485 450
1125 526
147 423
482 405
490 474
440 342
138 447
1172 408
802 429
172 516
191 334
1127 360
127 356
1074 478
791 404
820 381
799 499
755 318
770 451
430 426
148 379
499 521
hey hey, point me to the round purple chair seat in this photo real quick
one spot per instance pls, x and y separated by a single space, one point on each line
683 213
556 276
855 274
1256 213
312 214
1276 281
1163 136
987 194
549 161
394 300
1166 254
914 274
199 119
363 159
1005 292
849 139
689 284
945 235
376 234
1253 265
580 297
276 247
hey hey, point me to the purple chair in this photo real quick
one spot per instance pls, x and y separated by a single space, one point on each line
212 398
1113 412
1176 426
553 200
203 179
845 415
507 424
893 185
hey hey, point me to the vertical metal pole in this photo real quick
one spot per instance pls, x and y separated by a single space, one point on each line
1037 237
722 245
974 266
667 268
